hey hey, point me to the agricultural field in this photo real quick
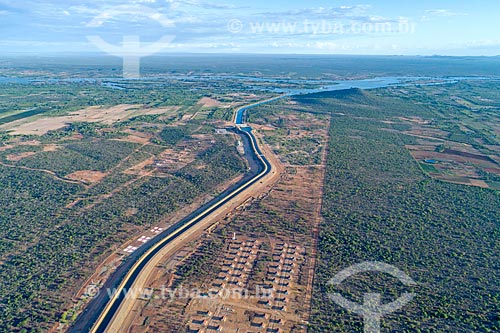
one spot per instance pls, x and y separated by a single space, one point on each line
380 205
83 186
460 142
253 270
384 202
92 169
379 202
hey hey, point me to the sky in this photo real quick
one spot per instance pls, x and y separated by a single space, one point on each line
144 27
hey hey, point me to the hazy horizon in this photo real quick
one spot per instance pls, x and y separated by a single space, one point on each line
347 27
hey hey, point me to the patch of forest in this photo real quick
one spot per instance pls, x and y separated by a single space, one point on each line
380 206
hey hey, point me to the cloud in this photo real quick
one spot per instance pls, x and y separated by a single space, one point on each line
443 12
132 11
434 13
7 8
341 14
175 4
322 12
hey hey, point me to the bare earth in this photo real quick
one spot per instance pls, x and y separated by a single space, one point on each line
51 147
284 260
454 162
123 319
19 156
87 176
209 102
37 125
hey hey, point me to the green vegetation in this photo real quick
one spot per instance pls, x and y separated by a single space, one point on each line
212 166
29 200
463 126
88 154
294 133
21 115
48 247
379 206
199 263
61 97
172 135
428 167
378 203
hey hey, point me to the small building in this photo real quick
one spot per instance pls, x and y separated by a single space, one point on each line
204 313
273 330
277 321
199 321
260 315
214 328
221 131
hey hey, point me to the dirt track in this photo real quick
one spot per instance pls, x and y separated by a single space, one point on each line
123 320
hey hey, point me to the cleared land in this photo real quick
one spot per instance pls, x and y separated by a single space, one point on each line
83 184
122 320
379 205
41 125
380 202
458 140
257 281
94 189
271 258
253 271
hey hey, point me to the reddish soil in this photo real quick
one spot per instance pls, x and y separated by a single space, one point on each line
87 176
